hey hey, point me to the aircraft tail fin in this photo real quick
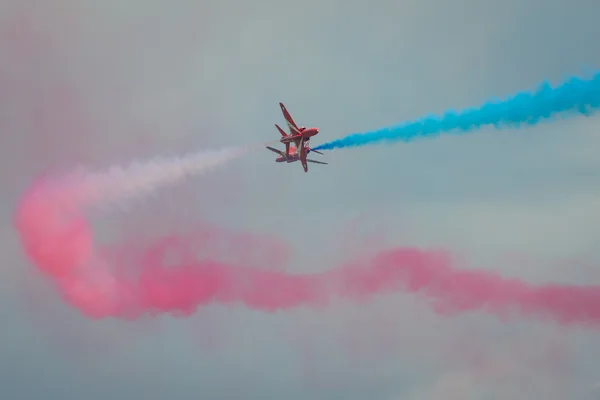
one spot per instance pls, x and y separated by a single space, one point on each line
281 131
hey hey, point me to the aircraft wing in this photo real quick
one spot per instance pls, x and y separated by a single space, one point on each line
289 121
281 153
316 162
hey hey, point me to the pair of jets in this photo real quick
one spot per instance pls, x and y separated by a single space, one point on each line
299 136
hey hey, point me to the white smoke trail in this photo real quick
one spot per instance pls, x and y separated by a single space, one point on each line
119 184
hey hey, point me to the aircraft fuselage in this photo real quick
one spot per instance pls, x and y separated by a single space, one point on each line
307 133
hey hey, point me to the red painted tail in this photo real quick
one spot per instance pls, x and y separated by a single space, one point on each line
281 131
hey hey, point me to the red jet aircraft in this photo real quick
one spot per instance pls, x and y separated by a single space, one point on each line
293 156
296 133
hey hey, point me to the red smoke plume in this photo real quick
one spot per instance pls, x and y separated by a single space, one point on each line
179 273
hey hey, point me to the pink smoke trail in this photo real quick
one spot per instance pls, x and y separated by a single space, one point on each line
453 291
129 280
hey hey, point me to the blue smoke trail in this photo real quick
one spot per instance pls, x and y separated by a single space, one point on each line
576 95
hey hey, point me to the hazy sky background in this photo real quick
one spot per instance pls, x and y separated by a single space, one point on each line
106 82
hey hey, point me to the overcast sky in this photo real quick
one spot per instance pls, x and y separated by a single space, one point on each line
106 82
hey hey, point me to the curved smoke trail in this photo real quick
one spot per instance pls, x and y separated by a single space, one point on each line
179 273
57 237
574 96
